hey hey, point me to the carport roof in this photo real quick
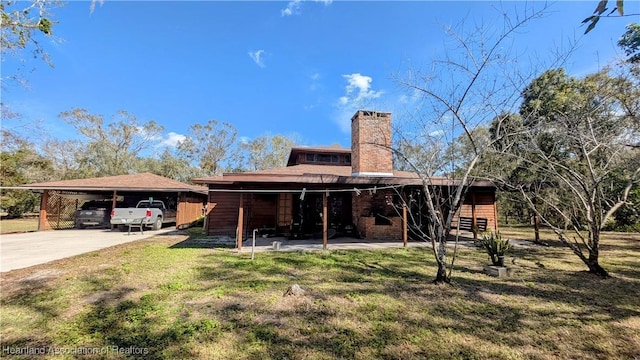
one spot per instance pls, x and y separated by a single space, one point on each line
132 182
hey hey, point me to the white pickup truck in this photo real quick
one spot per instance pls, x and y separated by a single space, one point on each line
150 213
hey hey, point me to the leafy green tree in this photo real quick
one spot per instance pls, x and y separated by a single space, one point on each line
210 145
110 148
630 43
267 152
169 165
18 168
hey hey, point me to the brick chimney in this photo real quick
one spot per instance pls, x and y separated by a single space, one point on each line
371 144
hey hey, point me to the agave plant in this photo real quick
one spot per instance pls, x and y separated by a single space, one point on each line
496 247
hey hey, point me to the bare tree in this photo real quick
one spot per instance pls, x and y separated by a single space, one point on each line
580 135
474 83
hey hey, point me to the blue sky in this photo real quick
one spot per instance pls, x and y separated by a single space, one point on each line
300 67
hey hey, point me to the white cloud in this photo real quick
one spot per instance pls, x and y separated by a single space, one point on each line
361 86
358 95
145 134
293 7
436 133
244 139
173 139
256 56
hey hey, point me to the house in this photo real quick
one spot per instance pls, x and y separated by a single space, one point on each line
327 191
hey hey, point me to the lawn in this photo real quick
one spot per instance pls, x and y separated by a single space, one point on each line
18 225
167 297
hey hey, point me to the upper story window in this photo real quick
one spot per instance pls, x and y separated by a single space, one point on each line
322 158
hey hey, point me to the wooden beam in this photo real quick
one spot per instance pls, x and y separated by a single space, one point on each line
324 221
404 226
240 222
42 220
473 216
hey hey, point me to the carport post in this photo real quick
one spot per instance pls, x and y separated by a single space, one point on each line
324 220
42 220
114 200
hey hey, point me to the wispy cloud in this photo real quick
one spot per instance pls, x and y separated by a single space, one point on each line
315 81
293 7
256 56
358 95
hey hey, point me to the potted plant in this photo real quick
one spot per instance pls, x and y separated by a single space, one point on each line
496 248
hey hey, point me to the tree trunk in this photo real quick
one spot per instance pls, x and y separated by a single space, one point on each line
595 268
441 276
441 259
592 261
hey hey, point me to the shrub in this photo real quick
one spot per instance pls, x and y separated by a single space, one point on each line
496 247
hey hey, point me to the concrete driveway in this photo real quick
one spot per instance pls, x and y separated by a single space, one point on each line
19 251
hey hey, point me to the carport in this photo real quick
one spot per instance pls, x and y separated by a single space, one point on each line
60 199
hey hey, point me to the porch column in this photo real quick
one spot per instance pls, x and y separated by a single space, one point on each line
42 220
240 222
473 216
324 220
495 213
179 204
404 225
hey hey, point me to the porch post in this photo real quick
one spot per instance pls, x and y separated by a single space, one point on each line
114 200
473 216
42 220
178 212
240 220
404 225
324 220
495 213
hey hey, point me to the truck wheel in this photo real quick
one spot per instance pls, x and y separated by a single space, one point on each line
158 224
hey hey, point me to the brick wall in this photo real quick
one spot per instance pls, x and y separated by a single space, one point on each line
364 205
371 143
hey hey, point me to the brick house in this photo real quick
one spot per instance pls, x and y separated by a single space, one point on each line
331 191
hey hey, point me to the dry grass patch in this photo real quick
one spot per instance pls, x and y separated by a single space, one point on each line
182 301
18 225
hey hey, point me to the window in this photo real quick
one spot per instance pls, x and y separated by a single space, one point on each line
347 159
322 158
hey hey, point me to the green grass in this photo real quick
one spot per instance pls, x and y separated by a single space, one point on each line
177 301
18 225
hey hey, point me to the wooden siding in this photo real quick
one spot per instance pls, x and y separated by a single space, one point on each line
223 213
484 202
189 209
262 211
